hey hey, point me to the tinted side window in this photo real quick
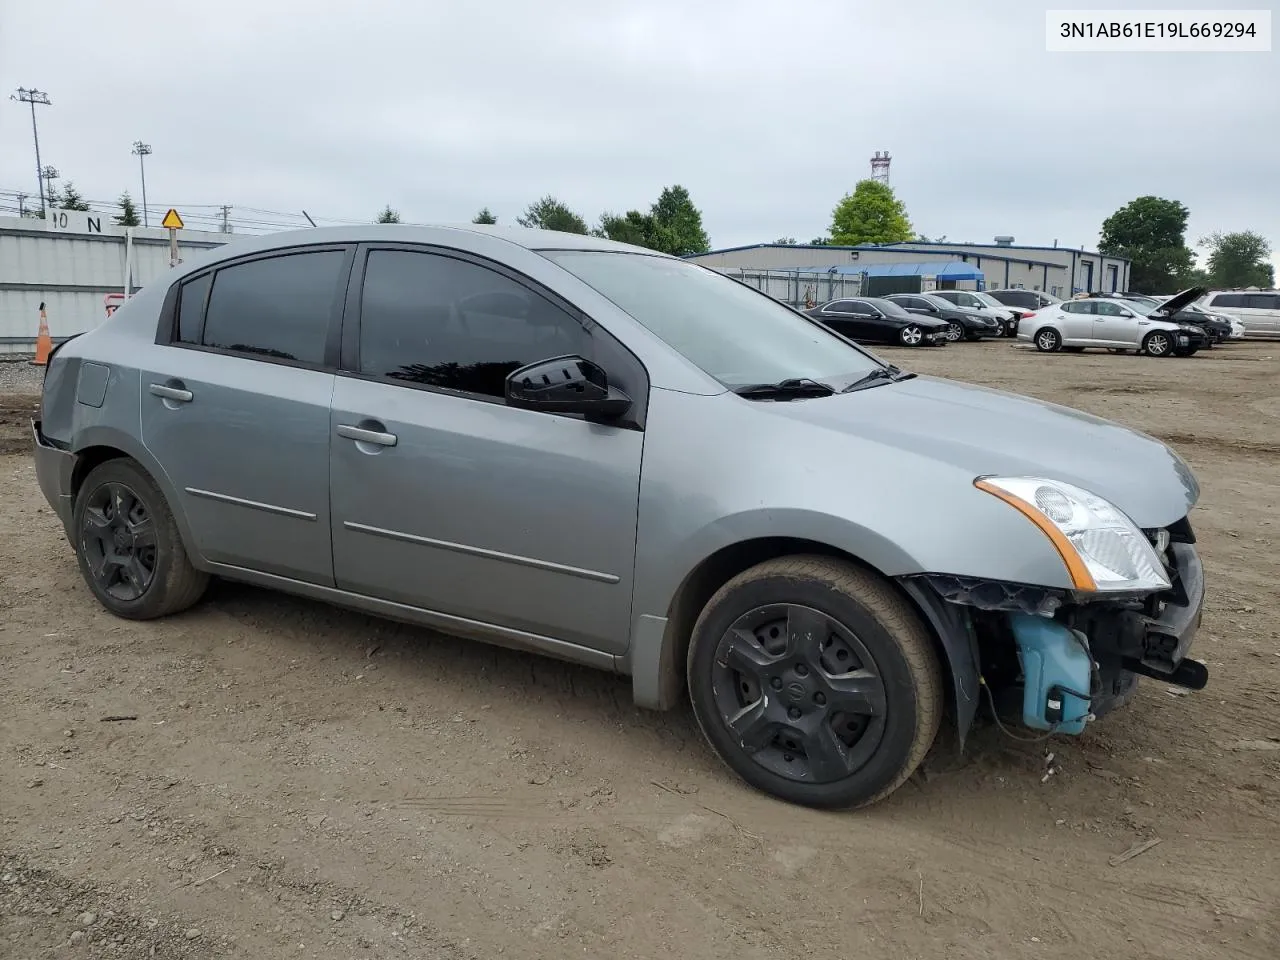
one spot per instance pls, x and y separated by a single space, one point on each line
838 306
191 308
431 319
1263 301
861 309
277 307
1228 300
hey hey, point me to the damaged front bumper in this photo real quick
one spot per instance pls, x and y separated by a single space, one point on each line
1067 659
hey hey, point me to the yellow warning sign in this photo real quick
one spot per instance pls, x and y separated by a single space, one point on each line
171 220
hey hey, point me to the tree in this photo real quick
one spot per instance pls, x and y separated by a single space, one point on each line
1239 260
871 214
550 214
128 216
71 199
388 215
484 216
680 222
634 227
786 241
820 242
1150 232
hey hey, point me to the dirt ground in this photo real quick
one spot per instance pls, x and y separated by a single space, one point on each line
298 781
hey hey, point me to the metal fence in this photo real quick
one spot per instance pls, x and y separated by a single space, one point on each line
798 288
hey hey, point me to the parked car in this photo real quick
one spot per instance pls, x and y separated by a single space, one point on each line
1024 299
1235 329
1116 325
963 323
977 300
627 460
1258 310
1215 330
873 320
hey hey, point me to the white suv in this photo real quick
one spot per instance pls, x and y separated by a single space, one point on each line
1258 310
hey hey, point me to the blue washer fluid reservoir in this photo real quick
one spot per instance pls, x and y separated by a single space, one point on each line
1057 671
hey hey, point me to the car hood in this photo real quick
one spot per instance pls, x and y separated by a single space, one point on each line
1175 303
982 431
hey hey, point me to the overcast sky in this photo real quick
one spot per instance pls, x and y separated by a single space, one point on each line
766 111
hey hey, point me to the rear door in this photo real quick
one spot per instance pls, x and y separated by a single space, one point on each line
1076 319
236 408
445 498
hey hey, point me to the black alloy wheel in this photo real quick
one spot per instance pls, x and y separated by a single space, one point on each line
815 681
118 537
128 544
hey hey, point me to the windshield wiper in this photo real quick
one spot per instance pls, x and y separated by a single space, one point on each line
795 388
885 374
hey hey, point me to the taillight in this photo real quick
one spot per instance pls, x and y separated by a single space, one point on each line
1028 316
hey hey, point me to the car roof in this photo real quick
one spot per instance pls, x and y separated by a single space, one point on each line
527 237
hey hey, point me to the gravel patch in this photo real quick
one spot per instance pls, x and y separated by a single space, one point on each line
19 376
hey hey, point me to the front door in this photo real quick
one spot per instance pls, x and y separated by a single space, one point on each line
237 410
1113 324
446 499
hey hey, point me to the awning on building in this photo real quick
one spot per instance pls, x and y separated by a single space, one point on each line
956 270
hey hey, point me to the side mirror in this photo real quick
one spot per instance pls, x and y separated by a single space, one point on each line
569 384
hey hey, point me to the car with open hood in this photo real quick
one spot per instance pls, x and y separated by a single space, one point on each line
1115 324
626 460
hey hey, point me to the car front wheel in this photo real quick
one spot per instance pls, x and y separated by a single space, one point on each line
955 332
910 336
815 681
128 545
1157 343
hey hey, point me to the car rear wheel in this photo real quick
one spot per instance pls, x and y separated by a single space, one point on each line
1048 340
1157 343
815 681
910 336
955 332
128 545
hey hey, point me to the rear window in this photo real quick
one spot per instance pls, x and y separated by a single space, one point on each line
1227 300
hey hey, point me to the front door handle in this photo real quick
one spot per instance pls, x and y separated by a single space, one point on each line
352 432
171 393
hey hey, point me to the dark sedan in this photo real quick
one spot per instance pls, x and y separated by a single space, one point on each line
964 323
878 320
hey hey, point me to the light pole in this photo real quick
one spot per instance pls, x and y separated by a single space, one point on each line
34 97
141 151
49 174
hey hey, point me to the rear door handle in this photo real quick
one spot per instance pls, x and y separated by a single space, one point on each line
171 393
352 432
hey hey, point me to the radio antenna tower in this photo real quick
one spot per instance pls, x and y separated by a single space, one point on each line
880 166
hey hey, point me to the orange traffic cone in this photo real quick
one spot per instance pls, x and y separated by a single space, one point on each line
44 343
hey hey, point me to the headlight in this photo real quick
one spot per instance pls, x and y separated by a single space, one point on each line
1103 549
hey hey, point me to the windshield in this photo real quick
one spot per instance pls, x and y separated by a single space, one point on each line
730 331
988 299
937 301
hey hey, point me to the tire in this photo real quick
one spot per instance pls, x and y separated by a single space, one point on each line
1157 343
955 332
1048 340
839 614
145 573
999 329
1186 351
911 335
